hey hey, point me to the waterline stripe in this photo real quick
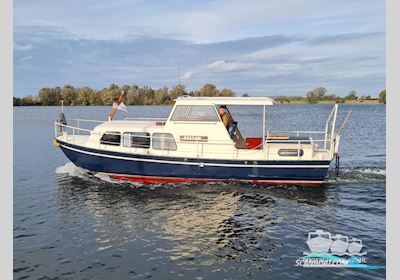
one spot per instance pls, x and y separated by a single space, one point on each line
157 179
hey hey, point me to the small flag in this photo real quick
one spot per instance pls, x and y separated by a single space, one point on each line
121 106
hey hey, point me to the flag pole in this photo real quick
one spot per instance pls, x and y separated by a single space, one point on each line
115 108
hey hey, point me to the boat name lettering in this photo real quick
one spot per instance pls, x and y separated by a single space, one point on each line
193 138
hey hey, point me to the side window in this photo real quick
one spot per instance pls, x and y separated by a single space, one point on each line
137 140
195 113
180 113
163 141
112 138
290 153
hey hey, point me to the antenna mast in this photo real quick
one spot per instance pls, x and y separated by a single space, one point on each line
179 77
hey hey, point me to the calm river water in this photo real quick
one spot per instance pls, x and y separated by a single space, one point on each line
69 224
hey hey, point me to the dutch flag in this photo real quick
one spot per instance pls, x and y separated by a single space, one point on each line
121 106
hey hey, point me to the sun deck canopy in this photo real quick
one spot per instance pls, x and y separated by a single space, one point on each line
190 100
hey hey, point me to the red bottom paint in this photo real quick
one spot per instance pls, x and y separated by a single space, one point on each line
153 180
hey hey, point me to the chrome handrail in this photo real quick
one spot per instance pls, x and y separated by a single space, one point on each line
146 119
270 140
85 120
296 131
177 140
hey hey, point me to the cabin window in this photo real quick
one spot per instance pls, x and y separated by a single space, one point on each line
290 152
137 140
195 113
163 141
111 138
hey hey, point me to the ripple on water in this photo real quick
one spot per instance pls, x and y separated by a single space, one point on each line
214 227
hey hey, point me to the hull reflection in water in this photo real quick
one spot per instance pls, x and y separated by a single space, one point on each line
197 224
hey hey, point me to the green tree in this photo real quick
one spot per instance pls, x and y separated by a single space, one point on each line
110 94
311 97
316 95
382 96
227 92
320 93
68 94
330 97
296 98
209 90
45 96
16 101
28 101
134 95
148 95
161 96
83 96
131 95
352 95
176 91
49 96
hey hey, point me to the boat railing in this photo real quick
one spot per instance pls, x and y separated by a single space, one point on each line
145 119
297 132
331 121
77 129
62 129
86 122
125 119
89 121
72 132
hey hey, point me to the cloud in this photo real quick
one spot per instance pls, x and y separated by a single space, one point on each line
205 22
260 47
187 76
346 37
251 65
28 57
21 47
222 66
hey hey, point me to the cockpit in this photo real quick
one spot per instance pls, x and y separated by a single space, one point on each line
210 113
232 127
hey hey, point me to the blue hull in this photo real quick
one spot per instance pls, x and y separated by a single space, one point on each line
145 166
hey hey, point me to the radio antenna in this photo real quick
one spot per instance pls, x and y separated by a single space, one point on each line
179 77
179 80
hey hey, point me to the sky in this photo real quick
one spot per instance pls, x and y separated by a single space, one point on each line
262 48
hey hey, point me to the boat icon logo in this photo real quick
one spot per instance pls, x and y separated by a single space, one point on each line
334 250
323 242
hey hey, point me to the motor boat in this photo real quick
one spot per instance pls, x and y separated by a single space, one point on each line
194 145
340 244
319 241
355 246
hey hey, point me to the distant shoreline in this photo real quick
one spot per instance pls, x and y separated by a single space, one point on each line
300 102
276 103
144 96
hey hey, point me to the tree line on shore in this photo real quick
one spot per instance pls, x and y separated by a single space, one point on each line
321 94
135 95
